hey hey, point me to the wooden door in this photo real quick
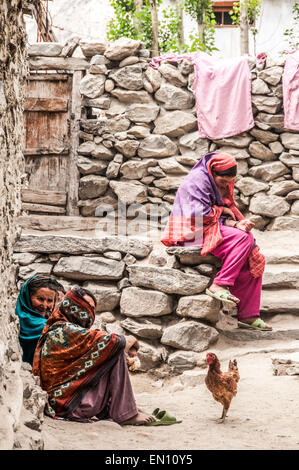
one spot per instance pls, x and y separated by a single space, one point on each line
48 143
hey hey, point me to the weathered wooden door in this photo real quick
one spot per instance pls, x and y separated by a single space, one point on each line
48 143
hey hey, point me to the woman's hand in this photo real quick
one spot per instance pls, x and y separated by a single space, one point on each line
132 345
245 225
229 212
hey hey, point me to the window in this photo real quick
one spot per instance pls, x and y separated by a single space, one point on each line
221 12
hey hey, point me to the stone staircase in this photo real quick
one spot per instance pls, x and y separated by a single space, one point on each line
280 293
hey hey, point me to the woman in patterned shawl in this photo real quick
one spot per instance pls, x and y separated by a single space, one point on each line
84 371
205 215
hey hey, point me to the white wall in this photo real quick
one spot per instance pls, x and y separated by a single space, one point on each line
89 19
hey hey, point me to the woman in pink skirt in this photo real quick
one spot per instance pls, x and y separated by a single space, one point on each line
204 214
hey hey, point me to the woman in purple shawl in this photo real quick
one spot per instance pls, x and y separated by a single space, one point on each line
204 214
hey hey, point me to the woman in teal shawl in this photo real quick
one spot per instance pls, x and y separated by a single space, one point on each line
35 304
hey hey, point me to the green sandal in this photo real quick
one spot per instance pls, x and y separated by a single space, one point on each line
163 418
222 295
258 324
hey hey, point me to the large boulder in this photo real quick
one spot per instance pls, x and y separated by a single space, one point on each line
175 123
189 336
129 77
136 302
121 48
92 186
92 86
201 307
174 97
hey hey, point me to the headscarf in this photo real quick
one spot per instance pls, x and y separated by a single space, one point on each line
70 358
31 322
198 207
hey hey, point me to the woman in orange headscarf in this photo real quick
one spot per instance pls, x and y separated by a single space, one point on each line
204 214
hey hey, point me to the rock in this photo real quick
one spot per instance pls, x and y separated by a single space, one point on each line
154 77
281 276
121 48
289 160
242 167
92 186
296 174
289 140
46 49
112 170
260 151
175 123
192 256
169 183
276 147
136 302
240 141
103 102
132 96
140 132
189 336
157 146
24 259
295 208
150 357
142 112
35 268
127 147
99 69
269 206
264 136
168 280
259 221
92 86
92 48
136 169
129 77
285 223
259 87
172 75
285 364
129 192
293 195
129 61
107 317
275 121
87 166
107 295
282 188
201 307
271 75
174 97
182 360
142 328
117 124
269 104
238 153
81 245
109 85
96 207
249 186
171 165
82 268
268 171
194 142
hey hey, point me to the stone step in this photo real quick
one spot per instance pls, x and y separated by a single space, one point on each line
281 276
285 327
280 301
279 246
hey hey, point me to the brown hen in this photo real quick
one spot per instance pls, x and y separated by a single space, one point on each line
222 385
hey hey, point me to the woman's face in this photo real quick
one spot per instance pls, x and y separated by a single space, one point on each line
222 182
43 300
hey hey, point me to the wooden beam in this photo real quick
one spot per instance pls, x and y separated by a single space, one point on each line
74 174
46 104
41 196
42 208
37 151
58 63
49 77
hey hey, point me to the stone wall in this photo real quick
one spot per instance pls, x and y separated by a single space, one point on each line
13 376
139 137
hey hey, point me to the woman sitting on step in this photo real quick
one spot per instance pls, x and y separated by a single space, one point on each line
35 304
83 370
204 214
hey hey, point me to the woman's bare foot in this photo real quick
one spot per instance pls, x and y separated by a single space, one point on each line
140 418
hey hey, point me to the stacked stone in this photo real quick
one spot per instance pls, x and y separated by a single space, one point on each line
140 138
155 295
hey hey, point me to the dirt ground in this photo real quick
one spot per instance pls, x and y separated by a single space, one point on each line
263 416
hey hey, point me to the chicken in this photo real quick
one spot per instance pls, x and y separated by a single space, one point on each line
222 385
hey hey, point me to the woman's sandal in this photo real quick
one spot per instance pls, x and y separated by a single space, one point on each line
163 418
222 295
258 324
